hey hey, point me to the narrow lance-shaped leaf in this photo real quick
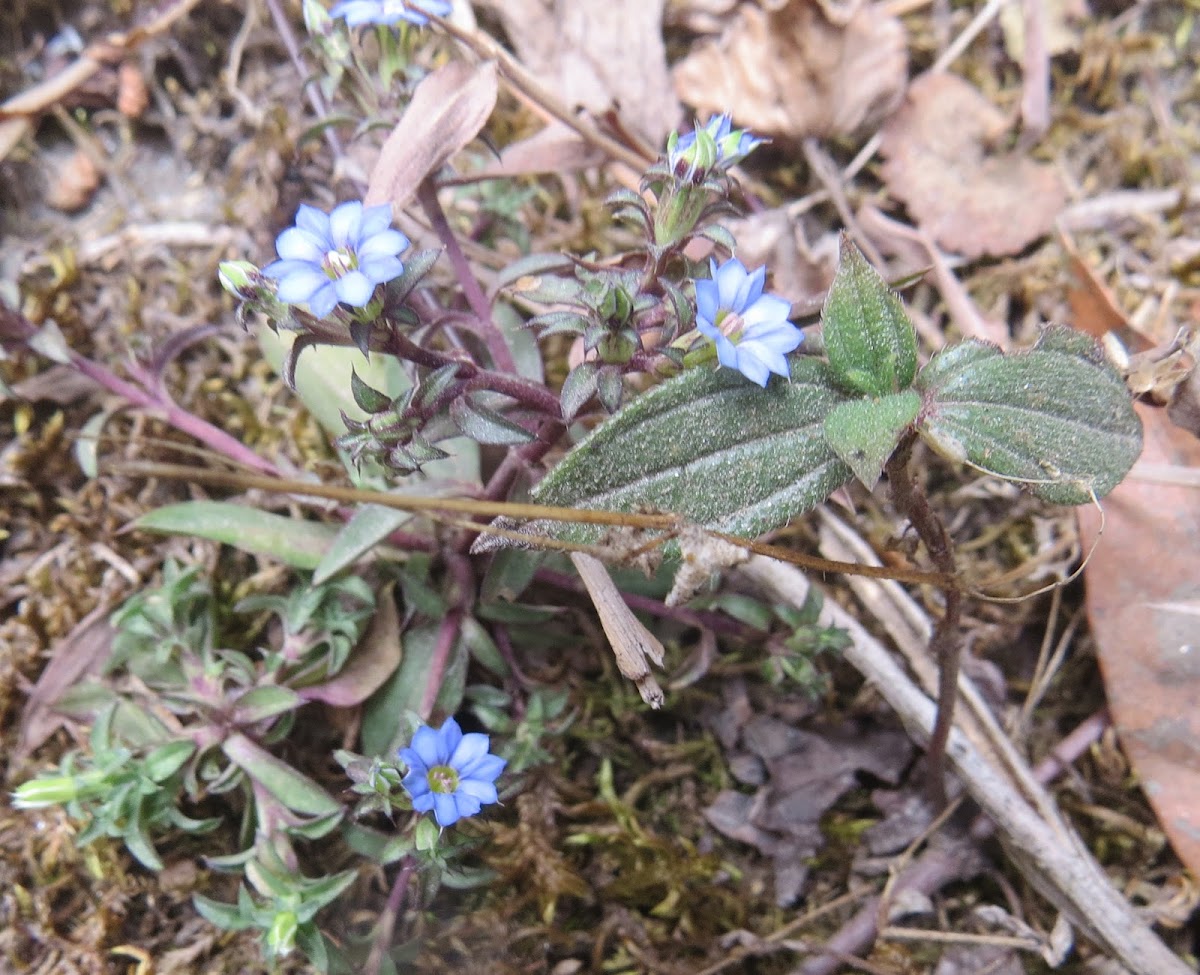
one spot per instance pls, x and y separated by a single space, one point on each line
869 339
1057 417
709 446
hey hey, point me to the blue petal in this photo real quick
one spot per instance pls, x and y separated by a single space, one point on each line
470 749
767 308
752 368
485 792
445 809
424 802
300 285
354 288
750 291
323 301
344 222
380 270
315 221
485 768
413 760
730 277
771 359
281 269
448 738
726 352
416 782
427 745
466 805
708 301
298 244
384 243
707 329
376 219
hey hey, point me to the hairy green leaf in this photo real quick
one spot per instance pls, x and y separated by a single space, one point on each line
870 342
864 432
1057 417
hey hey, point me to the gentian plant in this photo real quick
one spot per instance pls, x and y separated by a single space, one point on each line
198 697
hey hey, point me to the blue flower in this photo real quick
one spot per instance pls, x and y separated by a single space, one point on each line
751 329
715 145
340 256
388 13
451 773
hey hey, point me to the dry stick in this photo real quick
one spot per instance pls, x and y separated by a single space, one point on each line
1052 855
938 866
946 643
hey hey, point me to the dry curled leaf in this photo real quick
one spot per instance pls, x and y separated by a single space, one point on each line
794 71
940 163
447 110
73 184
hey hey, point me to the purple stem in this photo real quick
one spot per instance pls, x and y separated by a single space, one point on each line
501 356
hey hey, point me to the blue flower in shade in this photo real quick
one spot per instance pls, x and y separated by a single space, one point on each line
388 13
721 146
751 329
339 256
451 773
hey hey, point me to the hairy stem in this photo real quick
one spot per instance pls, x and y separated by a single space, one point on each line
945 645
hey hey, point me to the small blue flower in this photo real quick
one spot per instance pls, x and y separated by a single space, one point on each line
714 145
388 13
751 329
340 256
451 773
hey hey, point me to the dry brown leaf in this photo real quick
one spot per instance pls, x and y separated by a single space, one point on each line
794 72
595 53
447 111
73 184
800 271
968 198
1143 597
1064 20
371 663
554 149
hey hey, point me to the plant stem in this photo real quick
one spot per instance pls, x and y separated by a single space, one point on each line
501 357
945 644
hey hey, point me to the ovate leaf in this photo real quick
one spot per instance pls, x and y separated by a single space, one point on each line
868 337
864 432
710 446
1057 417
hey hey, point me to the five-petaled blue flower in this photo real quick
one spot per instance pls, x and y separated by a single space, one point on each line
451 773
388 13
720 147
339 256
751 329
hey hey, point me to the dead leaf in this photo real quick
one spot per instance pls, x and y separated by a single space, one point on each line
82 652
371 663
792 71
448 109
1094 308
968 198
595 53
554 149
73 183
1143 598
1064 20
800 271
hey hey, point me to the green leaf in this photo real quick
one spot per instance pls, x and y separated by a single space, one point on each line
869 340
295 542
225 916
369 526
864 432
710 446
487 426
1057 417
371 662
167 759
296 791
261 703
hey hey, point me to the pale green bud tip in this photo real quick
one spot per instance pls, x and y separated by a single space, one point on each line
281 937
50 791
239 278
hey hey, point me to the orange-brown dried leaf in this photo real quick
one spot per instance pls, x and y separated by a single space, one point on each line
73 183
792 71
1143 597
941 164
